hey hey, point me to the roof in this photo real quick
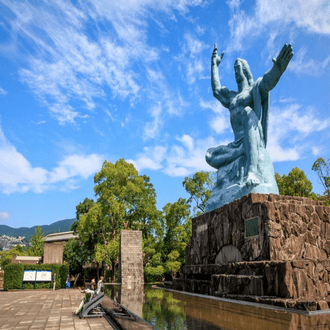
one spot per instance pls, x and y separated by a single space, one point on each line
27 258
56 237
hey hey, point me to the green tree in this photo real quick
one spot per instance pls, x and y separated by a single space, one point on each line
182 236
172 264
143 213
7 256
94 229
76 255
199 186
322 169
175 214
81 208
294 184
124 199
117 187
37 243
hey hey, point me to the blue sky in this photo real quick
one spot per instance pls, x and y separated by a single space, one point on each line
86 81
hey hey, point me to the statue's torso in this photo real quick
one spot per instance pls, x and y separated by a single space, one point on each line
238 102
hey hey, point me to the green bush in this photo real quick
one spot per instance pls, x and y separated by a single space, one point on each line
63 273
153 274
14 276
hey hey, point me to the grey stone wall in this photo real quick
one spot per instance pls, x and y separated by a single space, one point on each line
131 259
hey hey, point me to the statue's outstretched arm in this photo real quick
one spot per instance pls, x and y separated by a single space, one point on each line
221 93
272 76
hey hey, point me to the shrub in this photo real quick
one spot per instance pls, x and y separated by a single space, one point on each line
153 274
14 276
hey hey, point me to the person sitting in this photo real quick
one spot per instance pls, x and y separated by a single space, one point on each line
100 287
93 293
92 289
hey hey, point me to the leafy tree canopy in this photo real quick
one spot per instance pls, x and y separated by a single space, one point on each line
175 214
199 186
37 243
294 184
322 169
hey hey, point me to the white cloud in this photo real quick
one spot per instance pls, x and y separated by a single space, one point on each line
2 91
314 16
18 175
221 121
152 128
195 64
40 122
288 127
68 65
151 158
301 65
184 158
317 151
4 216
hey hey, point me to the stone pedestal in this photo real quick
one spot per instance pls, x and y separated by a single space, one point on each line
260 245
130 270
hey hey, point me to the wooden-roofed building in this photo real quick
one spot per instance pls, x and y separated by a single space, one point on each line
54 246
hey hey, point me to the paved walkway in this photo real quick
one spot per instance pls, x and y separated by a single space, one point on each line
49 310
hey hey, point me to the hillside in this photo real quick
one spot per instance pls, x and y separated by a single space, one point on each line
58 226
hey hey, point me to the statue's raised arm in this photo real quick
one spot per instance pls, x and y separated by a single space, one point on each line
221 93
280 63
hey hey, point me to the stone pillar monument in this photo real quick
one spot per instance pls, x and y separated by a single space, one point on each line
130 270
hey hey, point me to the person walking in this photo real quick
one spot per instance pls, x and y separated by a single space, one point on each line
54 281
67 283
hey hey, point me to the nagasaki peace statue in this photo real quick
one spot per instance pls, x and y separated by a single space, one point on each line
244 165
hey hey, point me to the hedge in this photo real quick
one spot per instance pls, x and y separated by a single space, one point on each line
14 276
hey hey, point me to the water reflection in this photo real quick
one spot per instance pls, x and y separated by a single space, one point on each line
171 311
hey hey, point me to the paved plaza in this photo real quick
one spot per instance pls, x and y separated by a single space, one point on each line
45 310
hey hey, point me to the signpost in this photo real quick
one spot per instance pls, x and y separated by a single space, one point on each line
29 276
44 276
37 276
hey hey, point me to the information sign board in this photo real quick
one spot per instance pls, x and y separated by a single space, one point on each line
252 227
44 275
29 275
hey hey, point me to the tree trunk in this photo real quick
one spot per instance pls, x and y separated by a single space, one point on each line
83 275
97 272
113 271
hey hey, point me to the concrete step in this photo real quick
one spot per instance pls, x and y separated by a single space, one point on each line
238 284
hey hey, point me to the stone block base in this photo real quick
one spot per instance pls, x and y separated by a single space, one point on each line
289 228
284 279
269 248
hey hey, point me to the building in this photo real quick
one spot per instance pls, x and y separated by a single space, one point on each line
26 260
54 247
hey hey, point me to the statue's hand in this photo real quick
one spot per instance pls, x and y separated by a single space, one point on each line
215 58
283 58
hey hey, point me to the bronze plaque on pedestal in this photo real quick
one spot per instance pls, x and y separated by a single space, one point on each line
252 228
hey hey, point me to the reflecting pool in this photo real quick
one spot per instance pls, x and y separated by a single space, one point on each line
167 310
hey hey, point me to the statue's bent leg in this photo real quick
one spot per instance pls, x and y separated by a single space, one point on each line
252 142
223 155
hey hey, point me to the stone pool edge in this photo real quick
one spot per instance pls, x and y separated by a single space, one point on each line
251 304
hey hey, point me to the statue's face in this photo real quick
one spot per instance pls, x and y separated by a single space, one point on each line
239 75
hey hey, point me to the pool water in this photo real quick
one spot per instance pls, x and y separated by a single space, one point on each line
167 310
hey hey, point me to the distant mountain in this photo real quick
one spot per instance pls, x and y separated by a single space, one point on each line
56 227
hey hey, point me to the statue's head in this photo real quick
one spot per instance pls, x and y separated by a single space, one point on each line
242 67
